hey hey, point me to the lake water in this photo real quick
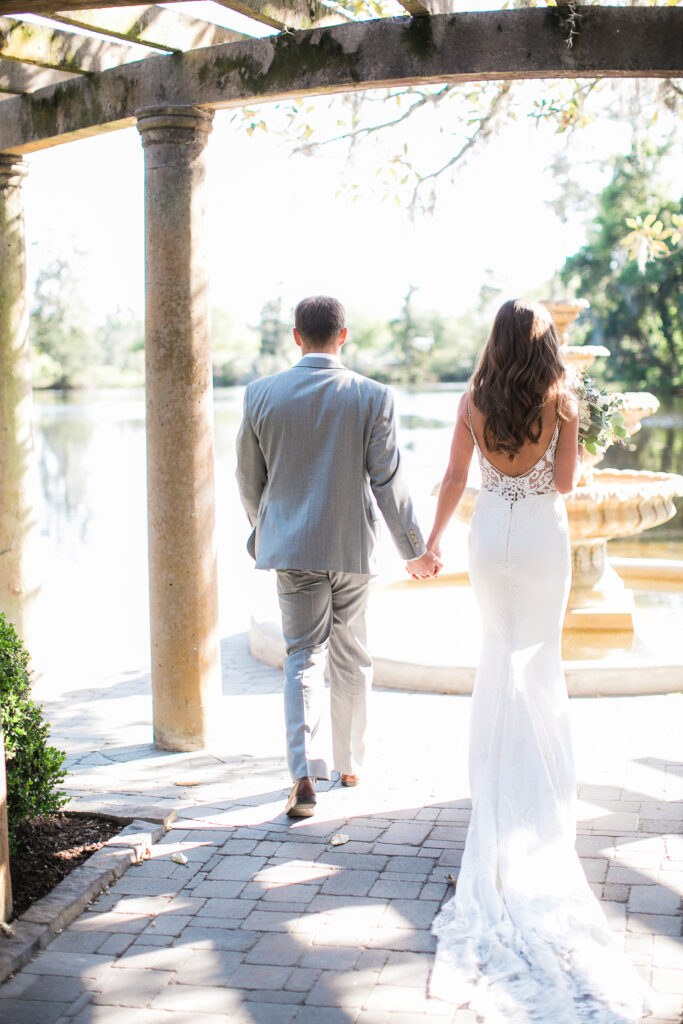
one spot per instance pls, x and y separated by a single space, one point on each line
92 614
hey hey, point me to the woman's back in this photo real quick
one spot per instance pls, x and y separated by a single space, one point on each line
555 448
530 452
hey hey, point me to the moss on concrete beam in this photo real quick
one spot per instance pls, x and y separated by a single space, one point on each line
515 44
17 78
64 51
151 25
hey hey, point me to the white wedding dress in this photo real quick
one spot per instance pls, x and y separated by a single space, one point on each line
524 939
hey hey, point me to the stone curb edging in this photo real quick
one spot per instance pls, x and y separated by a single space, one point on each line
47 917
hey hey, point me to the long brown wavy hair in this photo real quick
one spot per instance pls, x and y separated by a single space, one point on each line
520 369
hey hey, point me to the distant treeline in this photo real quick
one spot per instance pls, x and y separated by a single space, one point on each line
634 291
72 350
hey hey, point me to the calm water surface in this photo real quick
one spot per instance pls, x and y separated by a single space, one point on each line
91 457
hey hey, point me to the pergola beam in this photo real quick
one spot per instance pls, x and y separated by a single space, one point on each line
17 78
415 8
150 25
422 8
517 44
66 51
45 7
285 14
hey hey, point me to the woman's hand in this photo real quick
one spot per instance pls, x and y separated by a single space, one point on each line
427 566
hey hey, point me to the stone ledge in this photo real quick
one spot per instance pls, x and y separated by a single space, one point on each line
618 676
126 810
48 916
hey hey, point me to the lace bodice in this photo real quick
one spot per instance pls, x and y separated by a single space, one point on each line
540 479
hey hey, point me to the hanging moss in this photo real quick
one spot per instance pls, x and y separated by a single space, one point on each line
566 20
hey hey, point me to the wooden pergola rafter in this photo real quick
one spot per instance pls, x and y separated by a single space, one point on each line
110 26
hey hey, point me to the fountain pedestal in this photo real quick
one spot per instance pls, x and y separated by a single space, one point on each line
598 599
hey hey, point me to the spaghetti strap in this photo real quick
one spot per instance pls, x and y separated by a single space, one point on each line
469 417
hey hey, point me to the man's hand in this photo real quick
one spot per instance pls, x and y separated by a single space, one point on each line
425 566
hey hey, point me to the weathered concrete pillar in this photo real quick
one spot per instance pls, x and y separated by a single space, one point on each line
180 462
18 481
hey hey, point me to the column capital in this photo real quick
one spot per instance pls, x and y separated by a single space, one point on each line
12 170
174 124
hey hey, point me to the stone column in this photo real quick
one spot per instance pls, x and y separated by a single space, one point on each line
180 462
18 480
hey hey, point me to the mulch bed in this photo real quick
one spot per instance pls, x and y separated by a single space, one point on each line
50 848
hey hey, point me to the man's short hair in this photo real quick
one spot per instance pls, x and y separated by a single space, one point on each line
319 319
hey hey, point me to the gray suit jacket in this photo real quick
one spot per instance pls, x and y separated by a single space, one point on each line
316 443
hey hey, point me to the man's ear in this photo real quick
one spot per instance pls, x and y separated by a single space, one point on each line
297 336
342 337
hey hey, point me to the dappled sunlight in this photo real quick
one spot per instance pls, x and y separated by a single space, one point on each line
267 908
267 912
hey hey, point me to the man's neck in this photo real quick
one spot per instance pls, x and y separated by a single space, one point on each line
331 352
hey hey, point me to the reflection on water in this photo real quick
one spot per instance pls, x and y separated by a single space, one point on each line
91 456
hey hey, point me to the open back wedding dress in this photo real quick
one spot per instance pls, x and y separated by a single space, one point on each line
524 939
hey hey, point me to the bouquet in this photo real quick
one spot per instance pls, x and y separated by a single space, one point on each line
600 420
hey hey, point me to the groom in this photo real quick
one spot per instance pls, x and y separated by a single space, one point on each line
315 444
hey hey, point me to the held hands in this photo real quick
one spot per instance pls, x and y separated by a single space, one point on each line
425 567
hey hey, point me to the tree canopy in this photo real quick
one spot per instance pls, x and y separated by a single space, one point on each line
635 292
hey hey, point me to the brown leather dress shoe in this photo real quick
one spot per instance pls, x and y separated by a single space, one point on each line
349 780
301 801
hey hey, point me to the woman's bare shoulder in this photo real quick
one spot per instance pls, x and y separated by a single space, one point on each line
568 405
463 406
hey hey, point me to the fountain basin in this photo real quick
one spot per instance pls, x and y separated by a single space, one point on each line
637 405
580 357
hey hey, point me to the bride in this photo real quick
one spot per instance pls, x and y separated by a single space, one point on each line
523 939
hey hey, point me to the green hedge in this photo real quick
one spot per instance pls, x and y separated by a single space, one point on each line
34 768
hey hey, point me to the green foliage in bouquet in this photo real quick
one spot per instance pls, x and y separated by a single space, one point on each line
34 768
600 419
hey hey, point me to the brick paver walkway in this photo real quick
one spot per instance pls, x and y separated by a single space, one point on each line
272 924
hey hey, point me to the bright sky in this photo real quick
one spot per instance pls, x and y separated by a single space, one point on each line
279 224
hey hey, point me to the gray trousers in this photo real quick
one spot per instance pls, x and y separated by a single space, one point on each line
323 618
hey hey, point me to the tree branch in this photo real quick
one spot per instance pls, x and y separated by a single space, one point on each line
425 98
482 131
